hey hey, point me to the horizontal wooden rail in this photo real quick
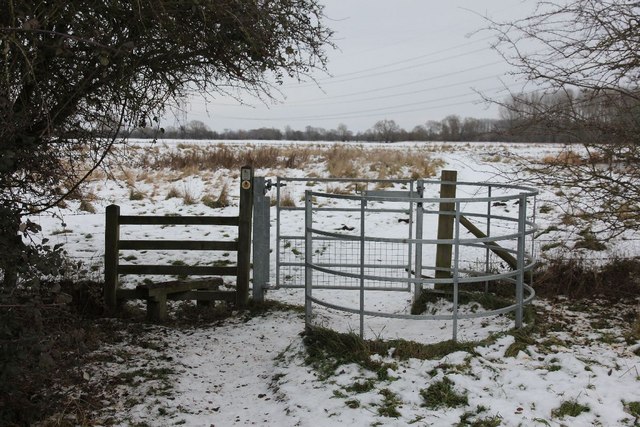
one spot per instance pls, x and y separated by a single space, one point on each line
493 246
187 245
178 220
156 297
178 270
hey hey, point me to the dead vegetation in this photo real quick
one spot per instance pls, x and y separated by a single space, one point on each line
194 158
344 161
577 278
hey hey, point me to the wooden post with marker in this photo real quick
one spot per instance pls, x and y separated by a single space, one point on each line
244 236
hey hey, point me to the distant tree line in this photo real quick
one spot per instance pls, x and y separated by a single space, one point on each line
451 128
518 122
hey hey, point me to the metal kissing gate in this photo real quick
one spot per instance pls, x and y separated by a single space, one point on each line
426 236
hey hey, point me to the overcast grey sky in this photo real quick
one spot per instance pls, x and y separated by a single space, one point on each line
406 60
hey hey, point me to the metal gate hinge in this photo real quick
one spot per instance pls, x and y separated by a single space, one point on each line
268 184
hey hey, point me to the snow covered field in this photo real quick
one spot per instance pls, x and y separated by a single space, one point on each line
575 368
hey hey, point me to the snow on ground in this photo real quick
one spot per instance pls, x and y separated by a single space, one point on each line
251 369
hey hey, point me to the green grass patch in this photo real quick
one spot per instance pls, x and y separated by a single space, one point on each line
523 338
339 394
548 246
514 349
633 408
546 209
442 394
352 403
569 408
327 350
589 241
470 419
390 404
361 386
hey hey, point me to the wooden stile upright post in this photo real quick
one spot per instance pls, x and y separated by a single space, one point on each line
446 220
244 235
111 241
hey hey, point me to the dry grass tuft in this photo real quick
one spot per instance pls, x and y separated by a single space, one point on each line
87 206
563 158
136 195
220 202
173 192
350 162
286 200
128 176
341 160
338 189
188 198
382 174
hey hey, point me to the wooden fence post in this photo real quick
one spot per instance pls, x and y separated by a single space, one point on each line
244 236
111 241
446 220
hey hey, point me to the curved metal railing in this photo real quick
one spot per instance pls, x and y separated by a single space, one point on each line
489 221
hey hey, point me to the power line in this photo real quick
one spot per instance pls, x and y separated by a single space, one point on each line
361 113
415 58
410 83
339 79
430 89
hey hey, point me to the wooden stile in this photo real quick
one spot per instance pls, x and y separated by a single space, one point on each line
157 294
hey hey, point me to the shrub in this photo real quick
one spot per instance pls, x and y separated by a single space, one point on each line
574 277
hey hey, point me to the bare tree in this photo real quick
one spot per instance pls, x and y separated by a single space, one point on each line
198 130
583 57
343 132
386 130
451 128
76 74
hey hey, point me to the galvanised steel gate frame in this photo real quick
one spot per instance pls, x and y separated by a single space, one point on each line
286 264
520 262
